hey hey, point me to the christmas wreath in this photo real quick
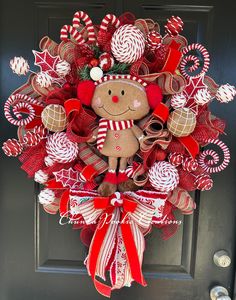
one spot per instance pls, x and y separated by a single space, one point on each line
114 125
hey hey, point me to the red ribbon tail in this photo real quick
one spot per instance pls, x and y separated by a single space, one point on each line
64 203
102 288
131 251
95 247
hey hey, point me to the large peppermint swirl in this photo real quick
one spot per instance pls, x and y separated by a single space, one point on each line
20 102
60 149
190 65
127 44
209 159
163 176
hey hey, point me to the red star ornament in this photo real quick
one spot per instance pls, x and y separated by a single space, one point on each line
193 85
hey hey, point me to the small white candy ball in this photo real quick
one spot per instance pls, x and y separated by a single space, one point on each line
46 196
225 93
96 73
41 177
202 97
178 100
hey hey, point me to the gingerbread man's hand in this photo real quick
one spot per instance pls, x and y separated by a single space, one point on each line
138 133
94 136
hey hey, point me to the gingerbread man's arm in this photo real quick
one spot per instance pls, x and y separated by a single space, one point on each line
94 136
137 132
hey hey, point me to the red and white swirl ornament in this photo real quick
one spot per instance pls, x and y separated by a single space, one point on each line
174 26
12 147
20 102
154 40
176 159
127 44
208 159
204 182
60 149
190 64
189 164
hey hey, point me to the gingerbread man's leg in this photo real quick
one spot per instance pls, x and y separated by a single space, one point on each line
109 184
124 183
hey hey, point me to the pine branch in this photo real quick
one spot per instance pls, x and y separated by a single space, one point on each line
84 73
119 69
97 52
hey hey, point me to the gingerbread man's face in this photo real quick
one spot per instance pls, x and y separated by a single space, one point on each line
120 99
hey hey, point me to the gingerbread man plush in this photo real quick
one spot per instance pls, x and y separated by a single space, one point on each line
119 100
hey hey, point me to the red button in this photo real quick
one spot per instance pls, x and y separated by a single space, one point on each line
116 135
118 148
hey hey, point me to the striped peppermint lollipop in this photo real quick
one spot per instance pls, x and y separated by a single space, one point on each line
209 159
127 44
190 65
18 103
163 176
60 149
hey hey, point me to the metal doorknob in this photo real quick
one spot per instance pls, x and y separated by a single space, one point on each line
222 259
219 293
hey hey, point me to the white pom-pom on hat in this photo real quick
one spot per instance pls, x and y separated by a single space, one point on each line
19 65
46 196
96 73
163 176
41 177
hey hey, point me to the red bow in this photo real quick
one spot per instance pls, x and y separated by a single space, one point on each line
123 216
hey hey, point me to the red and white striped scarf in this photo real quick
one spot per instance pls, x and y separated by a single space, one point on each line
105 124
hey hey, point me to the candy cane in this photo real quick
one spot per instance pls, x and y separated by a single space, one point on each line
19 102
208 166
68 29
80 15
109 19
191 58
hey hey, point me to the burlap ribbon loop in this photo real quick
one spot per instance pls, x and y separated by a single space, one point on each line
156 135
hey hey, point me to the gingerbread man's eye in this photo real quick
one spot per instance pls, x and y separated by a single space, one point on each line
122 92
109 92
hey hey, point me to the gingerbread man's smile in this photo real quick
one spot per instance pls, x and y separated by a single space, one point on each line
115 115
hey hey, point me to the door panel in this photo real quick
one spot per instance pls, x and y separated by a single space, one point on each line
180 268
